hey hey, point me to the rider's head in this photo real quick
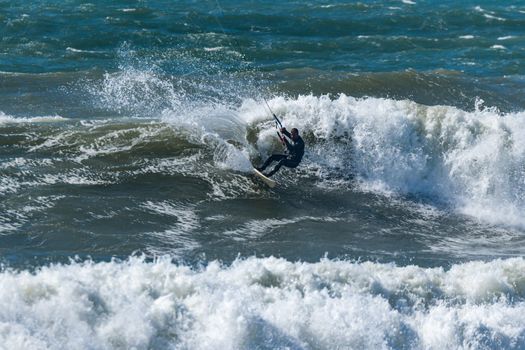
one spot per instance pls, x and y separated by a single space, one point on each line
295 133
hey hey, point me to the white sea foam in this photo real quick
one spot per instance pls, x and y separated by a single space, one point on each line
8 184
263 303
472 160
217 127
180 236
486 15
187 219
212 49
72 49
20 162
118 141
255 228
141 92
8 119
7 226
11 220
228 156
105 143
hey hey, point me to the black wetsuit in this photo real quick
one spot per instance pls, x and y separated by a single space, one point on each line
291 159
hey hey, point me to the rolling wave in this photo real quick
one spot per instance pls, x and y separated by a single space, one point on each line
263 302
471 161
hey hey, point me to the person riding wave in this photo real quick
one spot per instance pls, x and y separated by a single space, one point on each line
295 152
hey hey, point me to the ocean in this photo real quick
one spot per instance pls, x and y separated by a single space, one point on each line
130 217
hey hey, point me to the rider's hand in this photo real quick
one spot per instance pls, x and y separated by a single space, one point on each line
283 129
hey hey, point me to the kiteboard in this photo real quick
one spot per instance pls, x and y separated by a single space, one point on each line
265 179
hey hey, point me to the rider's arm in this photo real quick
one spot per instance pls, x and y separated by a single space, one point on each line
285 132
289 146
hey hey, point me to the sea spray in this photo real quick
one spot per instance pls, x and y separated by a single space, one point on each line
472 160
266 302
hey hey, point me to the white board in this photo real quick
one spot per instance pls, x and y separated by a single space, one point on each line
265 179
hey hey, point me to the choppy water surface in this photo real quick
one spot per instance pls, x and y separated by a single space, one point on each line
129 216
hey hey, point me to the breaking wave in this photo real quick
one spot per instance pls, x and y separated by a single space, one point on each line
264 303
471 160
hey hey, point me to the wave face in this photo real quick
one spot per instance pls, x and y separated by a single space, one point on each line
131 130
472 161
448 181
264 303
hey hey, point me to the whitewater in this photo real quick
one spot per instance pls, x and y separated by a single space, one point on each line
130 217
263 303
435 162
473 161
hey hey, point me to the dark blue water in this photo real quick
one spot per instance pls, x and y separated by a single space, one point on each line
130 218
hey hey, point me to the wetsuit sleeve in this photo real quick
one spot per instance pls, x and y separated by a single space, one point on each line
289 146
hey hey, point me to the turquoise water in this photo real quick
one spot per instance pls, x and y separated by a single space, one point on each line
129 217
453 51
369 36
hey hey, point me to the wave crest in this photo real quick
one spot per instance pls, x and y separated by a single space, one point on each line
263 302
472 160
